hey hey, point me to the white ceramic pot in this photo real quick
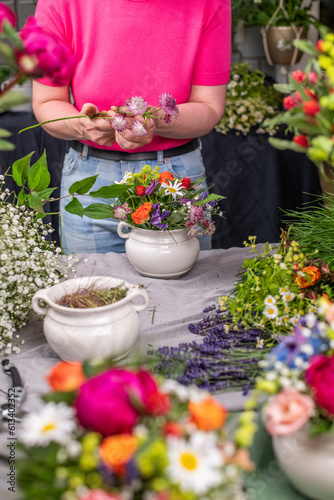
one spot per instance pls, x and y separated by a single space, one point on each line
160 254
82 334
308 462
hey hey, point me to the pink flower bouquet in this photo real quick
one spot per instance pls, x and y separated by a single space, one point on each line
119 434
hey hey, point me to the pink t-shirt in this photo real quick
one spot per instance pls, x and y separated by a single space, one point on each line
144 48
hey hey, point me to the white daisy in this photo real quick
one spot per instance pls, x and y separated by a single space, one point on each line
55 422
271 311
174 188
195 465
288 296
269 300
259 343
126 178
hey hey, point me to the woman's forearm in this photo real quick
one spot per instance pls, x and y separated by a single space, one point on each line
65 129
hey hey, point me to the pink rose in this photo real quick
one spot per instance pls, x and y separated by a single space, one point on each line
44 55
6 14
287 412
320 376
99 495
112 402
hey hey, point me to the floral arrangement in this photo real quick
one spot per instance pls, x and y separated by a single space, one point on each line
249 101
261 12
309 109
278 287
31 53
121 435
297 380
151 200
28 261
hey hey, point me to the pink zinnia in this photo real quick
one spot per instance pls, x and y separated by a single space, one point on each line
119 123
137 105
138 128
168 104
196 214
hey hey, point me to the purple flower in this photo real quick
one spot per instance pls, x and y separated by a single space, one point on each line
184 201
157 217
196 214
151 188
119 123
137 105
121 211
138 128
168 104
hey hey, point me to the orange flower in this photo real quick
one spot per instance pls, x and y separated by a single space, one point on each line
116 451
312 275
66 376
208 414
142 213
165 176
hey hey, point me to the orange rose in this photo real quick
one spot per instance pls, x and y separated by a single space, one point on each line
117 450
312 275
66 376
208 415
142 213
165 176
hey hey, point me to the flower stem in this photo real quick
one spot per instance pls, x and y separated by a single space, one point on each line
97 115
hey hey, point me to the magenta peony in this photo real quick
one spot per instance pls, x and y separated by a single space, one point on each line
110 403
6 14
44 55
320 377
287 412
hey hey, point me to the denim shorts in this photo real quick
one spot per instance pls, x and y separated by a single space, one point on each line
85 235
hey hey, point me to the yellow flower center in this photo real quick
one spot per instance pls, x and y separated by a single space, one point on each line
49 427
172 190
189 461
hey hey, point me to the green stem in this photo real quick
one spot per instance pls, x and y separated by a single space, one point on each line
66 118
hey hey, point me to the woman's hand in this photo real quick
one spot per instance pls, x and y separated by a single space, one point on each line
98 130
128 139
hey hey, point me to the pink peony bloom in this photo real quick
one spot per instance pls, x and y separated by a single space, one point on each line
320 376
287 412
289 102
44 55
6 14
99 495
137 105
111 402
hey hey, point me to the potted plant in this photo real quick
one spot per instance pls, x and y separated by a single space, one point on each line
281 22
309 109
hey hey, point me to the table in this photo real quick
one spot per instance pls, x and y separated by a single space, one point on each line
177 304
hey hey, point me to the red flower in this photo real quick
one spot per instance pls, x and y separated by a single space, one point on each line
312 78
311 107
186 182
299 76
173 429
6 14
301 140
140 190
319 45
289 102
320 377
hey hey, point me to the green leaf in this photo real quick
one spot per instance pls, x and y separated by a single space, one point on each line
82 187
34 201
98 211
211 197
59 396
12 34
282 145
107 192
39 176
5 133
7 52
306 46
21 197
75 207
5 72
11 99
21 169
46 193
284 88
6 146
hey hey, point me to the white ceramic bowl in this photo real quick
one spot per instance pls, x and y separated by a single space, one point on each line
83 334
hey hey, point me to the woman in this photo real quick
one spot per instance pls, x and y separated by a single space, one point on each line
123 49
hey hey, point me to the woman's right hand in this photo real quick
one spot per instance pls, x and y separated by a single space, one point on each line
98 130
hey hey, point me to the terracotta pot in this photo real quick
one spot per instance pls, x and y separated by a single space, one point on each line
160 254
278 46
